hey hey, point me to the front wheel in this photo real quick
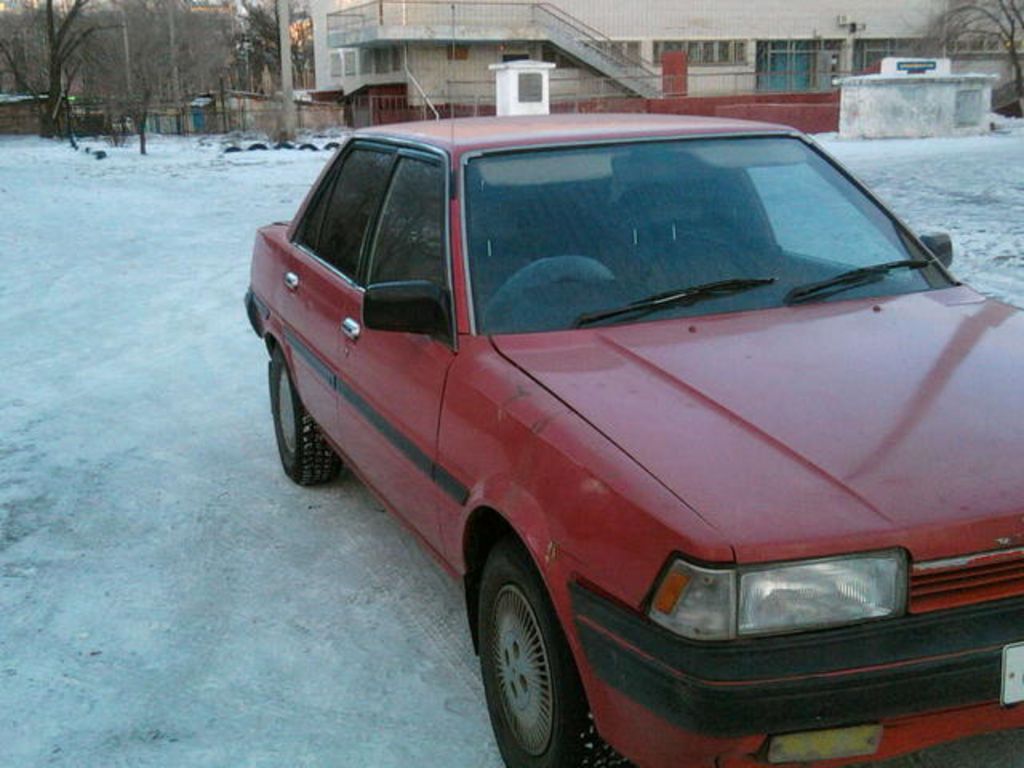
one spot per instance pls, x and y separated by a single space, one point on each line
305 455
534 696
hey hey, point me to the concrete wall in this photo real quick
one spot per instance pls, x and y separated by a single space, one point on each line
878 107
318 10
780 19
719 80
19 117
264 116
1000 67
715 19
644 21
469 81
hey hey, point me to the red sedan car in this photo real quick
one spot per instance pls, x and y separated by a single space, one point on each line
726 459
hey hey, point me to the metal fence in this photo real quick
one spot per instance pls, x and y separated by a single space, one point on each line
575 87
231 114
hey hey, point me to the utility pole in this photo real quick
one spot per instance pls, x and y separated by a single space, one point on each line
175 74
127 53
287 96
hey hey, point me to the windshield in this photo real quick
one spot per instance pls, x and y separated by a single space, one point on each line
558 235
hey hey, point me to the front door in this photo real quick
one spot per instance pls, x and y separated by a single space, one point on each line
392 384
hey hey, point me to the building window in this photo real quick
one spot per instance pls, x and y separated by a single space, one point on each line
336 70
704 52
797 65
976 44
869 53
554 55
457 52
627 48
531 88
351 69
507 57
366 61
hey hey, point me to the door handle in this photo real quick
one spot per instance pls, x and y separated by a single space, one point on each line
291 280
351 328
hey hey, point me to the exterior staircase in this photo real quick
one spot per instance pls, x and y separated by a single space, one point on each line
596 50
384 22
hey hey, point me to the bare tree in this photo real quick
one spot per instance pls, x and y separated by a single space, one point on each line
206 48
260 43
155 54
996 25
42 50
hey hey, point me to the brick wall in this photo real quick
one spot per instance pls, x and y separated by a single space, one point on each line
19 117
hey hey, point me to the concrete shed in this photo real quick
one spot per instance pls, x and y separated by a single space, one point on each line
915 105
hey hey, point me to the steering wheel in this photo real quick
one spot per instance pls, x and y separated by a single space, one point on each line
549 293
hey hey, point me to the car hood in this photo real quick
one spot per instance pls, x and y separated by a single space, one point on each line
818 429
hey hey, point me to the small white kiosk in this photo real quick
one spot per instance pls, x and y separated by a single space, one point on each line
523 87
915 98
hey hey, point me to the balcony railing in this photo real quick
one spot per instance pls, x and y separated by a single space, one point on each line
396 20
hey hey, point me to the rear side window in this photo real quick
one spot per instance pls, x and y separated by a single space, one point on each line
409 244
336 227
309 231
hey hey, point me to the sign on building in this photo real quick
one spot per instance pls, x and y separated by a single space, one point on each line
900 67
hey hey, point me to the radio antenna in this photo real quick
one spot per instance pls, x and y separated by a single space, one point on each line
451 58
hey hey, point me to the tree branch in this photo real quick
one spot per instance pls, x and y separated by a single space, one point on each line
18 71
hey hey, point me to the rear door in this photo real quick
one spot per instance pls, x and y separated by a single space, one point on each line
322 275
393 383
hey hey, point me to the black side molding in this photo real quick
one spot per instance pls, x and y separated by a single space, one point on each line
458 492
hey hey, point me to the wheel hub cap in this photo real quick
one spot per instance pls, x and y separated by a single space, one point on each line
523 671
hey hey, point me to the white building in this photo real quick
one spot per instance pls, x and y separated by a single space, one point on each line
440 50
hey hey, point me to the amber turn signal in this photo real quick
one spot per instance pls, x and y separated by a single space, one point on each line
670 591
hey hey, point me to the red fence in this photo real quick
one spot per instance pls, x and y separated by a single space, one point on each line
808 112
816 112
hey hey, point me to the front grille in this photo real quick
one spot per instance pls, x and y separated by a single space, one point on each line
966 580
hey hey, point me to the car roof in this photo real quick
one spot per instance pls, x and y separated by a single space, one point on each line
465 134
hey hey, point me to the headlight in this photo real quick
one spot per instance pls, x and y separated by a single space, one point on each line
720 604
821 594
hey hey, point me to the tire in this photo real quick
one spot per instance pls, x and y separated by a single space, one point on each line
535 699
305 455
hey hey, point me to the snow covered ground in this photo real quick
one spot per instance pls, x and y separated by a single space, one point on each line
972 188
167 597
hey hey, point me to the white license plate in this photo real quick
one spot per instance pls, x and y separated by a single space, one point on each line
1013 674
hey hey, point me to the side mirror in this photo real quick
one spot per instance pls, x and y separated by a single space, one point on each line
410 306
941 246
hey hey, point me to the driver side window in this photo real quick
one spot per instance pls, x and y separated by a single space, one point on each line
409 242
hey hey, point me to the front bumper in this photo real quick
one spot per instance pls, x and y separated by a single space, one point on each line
847 676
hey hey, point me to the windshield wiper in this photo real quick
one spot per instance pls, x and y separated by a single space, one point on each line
680 296
851 279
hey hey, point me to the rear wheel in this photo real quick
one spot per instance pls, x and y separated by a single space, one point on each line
534 696
305 455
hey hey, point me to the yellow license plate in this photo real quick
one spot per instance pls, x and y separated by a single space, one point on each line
825 745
